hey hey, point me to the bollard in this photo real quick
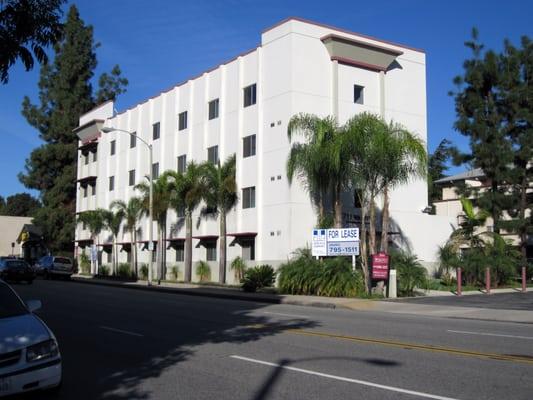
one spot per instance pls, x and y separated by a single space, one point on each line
523 279
487 280
392 284
459 282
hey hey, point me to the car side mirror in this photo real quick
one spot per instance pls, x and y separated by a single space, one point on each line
34 305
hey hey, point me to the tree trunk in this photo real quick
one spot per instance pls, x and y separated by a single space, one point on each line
385 221
363 247
188 247
372 228
133 264
495 213
338 206
113 258
522 214
222 255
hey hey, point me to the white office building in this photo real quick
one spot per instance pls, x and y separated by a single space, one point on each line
242 106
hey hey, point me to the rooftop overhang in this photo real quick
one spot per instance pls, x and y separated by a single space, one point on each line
83 242
91 145
241 237
89 131
205 239
359 54
175 243
88 180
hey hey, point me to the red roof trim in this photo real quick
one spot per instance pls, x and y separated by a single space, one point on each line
341 30
361 43
242 234
206 237
360 64
175 240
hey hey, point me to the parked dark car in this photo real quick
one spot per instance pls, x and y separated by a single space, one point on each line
50 266
13 269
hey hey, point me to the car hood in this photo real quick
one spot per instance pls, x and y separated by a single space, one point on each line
21 331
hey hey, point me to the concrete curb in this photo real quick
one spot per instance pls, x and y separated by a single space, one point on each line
213 293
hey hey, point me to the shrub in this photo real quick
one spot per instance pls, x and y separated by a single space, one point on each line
124 270
411 274
85 263
174 272
143 271
331 277
103 270
203 271
258 277
238 266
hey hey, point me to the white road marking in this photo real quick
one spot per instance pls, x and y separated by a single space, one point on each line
107 328
285 315
491 334
343 379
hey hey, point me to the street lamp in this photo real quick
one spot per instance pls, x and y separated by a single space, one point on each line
151 204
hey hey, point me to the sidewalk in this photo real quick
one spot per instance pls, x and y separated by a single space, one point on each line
388 306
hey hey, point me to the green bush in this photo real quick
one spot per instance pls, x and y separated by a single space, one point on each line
238 266
104 270
143 271
258 277
203 271
174 272
411 274
85 263
330 277
124 270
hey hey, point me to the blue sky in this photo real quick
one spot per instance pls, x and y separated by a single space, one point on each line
160 43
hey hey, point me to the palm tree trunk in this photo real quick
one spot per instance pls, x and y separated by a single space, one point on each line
338 206
385 221
363 245
372 228
133 265
113 257
164 249
188 246
222 255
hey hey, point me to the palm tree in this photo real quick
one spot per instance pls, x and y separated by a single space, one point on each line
312 160
113 221
187 191
405 157
132 214
220 194
94 220
161 203
471 220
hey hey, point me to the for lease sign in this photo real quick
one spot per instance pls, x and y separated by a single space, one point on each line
335 242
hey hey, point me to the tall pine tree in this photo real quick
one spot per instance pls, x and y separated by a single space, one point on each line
65 92
480 117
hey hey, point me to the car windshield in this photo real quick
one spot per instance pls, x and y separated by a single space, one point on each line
62 260
15 264
10 304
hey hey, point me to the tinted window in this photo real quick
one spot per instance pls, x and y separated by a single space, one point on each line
62 260
10 304
15 264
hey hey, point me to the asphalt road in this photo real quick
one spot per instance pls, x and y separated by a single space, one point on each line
501 301
130 344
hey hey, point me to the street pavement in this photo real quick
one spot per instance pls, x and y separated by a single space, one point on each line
118 343
500 301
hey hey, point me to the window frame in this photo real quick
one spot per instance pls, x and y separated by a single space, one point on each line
180 158
156 130
131 174
252 145
133 140
361 98
211 251
182 120
113 147
251 97
209 150
248 201
213 109
112 183
155 170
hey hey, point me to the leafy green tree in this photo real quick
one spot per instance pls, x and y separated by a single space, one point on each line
517 93
162 195
220 194
20 205
411 273
479 103
27 27
65 92
311 161
187 193
113 221
93 220
437 166
405 159
132 211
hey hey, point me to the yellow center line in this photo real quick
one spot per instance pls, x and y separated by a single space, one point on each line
435 349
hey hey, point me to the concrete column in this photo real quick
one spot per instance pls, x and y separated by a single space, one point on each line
392 284
335 90
382 94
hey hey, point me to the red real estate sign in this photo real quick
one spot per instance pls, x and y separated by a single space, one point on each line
380 266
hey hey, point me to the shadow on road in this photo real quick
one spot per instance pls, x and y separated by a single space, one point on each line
99 364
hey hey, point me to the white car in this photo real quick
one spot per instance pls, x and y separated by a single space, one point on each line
29 354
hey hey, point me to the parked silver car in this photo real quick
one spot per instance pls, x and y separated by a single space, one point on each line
29 353
50 266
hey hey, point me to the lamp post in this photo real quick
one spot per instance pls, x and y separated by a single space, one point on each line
151 201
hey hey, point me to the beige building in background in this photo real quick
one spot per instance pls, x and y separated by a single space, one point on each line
10 228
